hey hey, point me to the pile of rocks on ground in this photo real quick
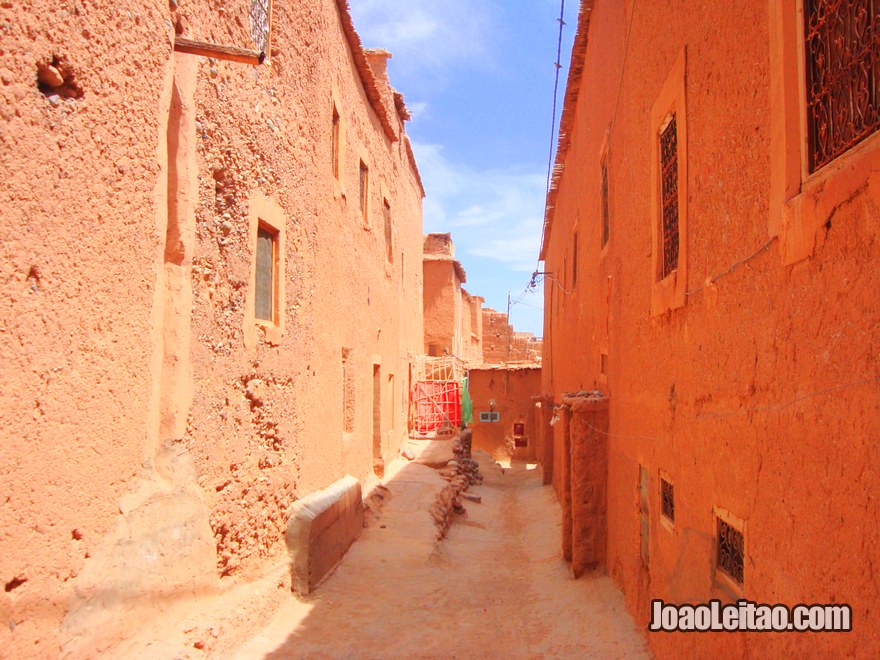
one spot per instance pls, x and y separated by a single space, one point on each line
460 472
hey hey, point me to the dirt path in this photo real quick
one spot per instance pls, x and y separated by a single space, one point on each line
496 587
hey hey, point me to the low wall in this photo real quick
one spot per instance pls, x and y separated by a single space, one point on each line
322 528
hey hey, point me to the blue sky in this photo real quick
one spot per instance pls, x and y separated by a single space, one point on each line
477 76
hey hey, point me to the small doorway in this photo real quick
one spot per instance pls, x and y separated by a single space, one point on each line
378 463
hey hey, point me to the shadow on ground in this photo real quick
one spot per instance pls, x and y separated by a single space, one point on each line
497 586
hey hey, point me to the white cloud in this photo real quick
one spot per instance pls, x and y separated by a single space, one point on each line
495 214
426 38
417 109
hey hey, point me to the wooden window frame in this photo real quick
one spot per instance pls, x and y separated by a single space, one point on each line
604 197
802 202
273 233
722 578
389 231
364 192
335 129
667 521
348 393
228 53
668 293
267 215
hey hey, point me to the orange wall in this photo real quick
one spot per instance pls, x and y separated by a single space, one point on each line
441 298
143 403
512 391
760 395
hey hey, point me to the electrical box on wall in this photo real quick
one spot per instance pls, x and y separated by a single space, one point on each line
490 417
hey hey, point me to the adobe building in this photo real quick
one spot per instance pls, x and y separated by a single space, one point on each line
453 318
504 413
503 345
212 284
710 365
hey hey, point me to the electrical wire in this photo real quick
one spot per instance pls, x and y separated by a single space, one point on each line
732 268
558 66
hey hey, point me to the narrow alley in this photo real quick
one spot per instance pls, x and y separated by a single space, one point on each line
312 344
495 587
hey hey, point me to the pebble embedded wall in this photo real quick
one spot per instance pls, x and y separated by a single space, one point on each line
144 392
502 345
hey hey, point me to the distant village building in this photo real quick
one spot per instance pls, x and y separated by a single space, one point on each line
212 273
710 376
503 345
453 318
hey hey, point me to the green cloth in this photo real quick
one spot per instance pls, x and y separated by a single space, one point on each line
467 407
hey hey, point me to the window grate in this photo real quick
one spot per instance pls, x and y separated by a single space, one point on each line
667 499
842 46
669 198
259 24
334 142
389 248
731 546
606 216
347 392
364 188
266 275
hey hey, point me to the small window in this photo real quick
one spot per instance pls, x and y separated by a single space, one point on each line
730 550
267 275
668 262
334 142
347 392
644 526
391 398
841 42
606 215
667 499
364 190
603 364
389 248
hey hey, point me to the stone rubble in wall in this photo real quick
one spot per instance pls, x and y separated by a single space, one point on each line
461 473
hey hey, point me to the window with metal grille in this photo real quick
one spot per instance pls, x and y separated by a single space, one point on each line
669 199
259 29
606 216
842 48
334 142
347 392
667 499
389 248
364 188
730 550
644 526
267 275
260 15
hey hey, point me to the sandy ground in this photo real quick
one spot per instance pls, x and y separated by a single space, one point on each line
496 587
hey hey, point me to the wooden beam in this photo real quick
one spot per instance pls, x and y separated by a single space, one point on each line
229 53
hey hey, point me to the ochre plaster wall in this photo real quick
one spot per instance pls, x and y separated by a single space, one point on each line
442 293
758 396
512 391
143 402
